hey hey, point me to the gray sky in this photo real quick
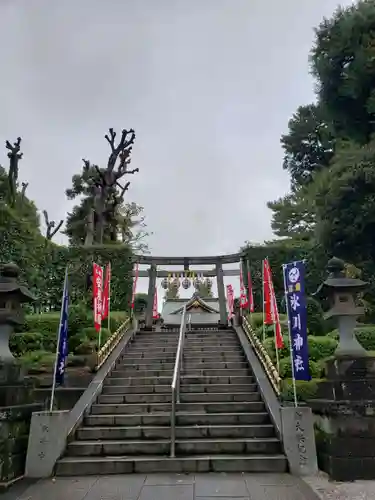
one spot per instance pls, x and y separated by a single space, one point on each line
208 85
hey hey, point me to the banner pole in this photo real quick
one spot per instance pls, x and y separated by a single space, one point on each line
58 343
290 340
273 311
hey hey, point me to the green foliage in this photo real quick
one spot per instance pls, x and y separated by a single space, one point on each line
21 343
292 215
40 361
308 145
344 66
140 302
321 347
286 368
43 264
305 390
38 339
345 206
281 252
315 321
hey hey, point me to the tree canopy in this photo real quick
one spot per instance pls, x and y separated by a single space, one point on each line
329 148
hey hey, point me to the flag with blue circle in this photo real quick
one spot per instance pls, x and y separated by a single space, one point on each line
294 280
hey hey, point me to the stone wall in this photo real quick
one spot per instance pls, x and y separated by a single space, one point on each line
14 435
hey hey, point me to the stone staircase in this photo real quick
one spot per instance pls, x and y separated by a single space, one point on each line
221 425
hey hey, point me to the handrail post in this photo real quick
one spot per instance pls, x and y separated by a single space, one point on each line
175 386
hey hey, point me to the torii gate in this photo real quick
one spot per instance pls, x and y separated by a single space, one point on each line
217 272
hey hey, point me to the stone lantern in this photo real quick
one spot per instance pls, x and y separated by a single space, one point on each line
342 293
12 295
344 404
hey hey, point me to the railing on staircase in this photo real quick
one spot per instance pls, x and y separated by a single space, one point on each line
175 386
263 356
106 350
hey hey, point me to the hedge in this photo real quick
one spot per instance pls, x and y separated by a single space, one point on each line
38 340
305 390
280 252
42 263
365 335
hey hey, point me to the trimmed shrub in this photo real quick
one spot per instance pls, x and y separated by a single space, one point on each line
305 390
365 335
39 361
269 345
321 347
286 369
21 343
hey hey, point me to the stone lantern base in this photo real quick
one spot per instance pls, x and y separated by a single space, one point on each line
345 419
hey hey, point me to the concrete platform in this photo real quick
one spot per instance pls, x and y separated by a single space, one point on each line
168 487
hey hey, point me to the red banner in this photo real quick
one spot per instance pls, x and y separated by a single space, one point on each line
279 341
155 313
251 297
271 316
98 293
230 301
106 291
267 294
135 284
244 303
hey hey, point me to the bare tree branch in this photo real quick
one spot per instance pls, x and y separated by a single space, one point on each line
23 190
50 225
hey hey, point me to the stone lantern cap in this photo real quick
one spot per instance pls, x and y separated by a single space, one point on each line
338 282
9 284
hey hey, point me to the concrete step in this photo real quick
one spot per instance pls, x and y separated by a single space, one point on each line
188 350
188 397
182 432
218 365
185 380
187 365
164 419
183 447
197 407
184 388
193 384
84 466
207 374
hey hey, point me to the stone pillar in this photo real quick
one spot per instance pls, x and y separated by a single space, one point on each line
151 295
221 295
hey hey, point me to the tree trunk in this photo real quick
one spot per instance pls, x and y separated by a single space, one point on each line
89 240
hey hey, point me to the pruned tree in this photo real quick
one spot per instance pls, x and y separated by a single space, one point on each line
103 187
51 227
14 156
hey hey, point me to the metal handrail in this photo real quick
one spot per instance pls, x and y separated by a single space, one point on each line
175 386
263 356
111 343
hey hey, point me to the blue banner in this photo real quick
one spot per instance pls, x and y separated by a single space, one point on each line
62 339
294 282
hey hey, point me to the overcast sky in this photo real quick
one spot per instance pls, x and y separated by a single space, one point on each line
208 85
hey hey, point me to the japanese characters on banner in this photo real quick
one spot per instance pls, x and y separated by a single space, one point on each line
106 292
267 294
135 284
230 301
244 303
294 282
98 294
155 313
